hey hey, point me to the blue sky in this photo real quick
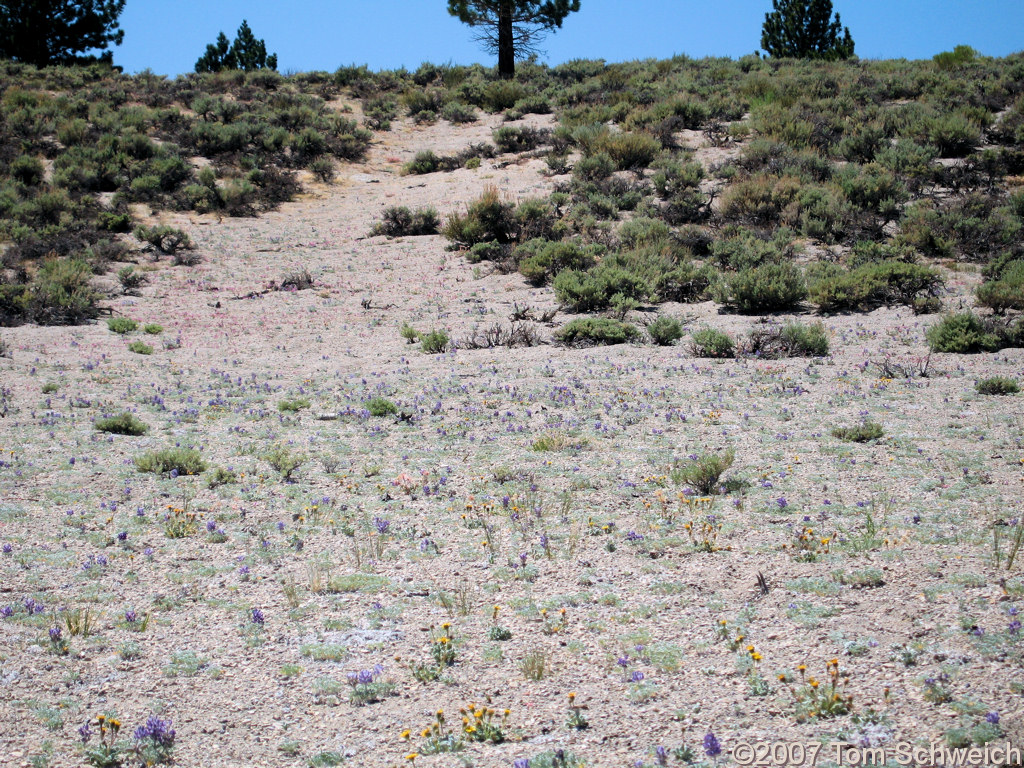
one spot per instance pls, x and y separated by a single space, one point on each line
167 36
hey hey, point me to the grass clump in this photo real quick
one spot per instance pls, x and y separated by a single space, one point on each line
121 325
603 331
704 473
183 461
121 424
962 333
293 404
997 385
861 433
708 342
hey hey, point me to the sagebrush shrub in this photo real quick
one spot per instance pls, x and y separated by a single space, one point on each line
709 342
425 161
861 433
766 288
665 330
586 331
997 385
399 221
962 333
704 474
184 461
381 406
434 343
487 218
121 424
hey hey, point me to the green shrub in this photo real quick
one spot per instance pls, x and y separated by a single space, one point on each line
27 170
953 134
861 433
434 342
284 461
399 221
381 406
58 294
457 112
872 284
594 167
140 348
184 461
121 324
488 218
510 138
425 161
121 424
165 239
322 169
630 151
684 282
1006 292
153 329
802 340
539 259
130 279
704 474
586 331
997 385
962 333
708 342
665 330
597 288
293 404
767 288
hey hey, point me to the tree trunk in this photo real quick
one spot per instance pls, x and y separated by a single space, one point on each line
506 49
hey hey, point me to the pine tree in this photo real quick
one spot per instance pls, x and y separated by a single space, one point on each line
805 29
246 53
59 32
511 27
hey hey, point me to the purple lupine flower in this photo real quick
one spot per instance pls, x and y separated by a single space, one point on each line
781 501
130 617
85 733
156 730
8 548
634 536
243 571
1014 627
522 762
622 661
637 676
122 536
257 616
992 717
711 746
381 524
6 611
661 755
55 634
211 526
